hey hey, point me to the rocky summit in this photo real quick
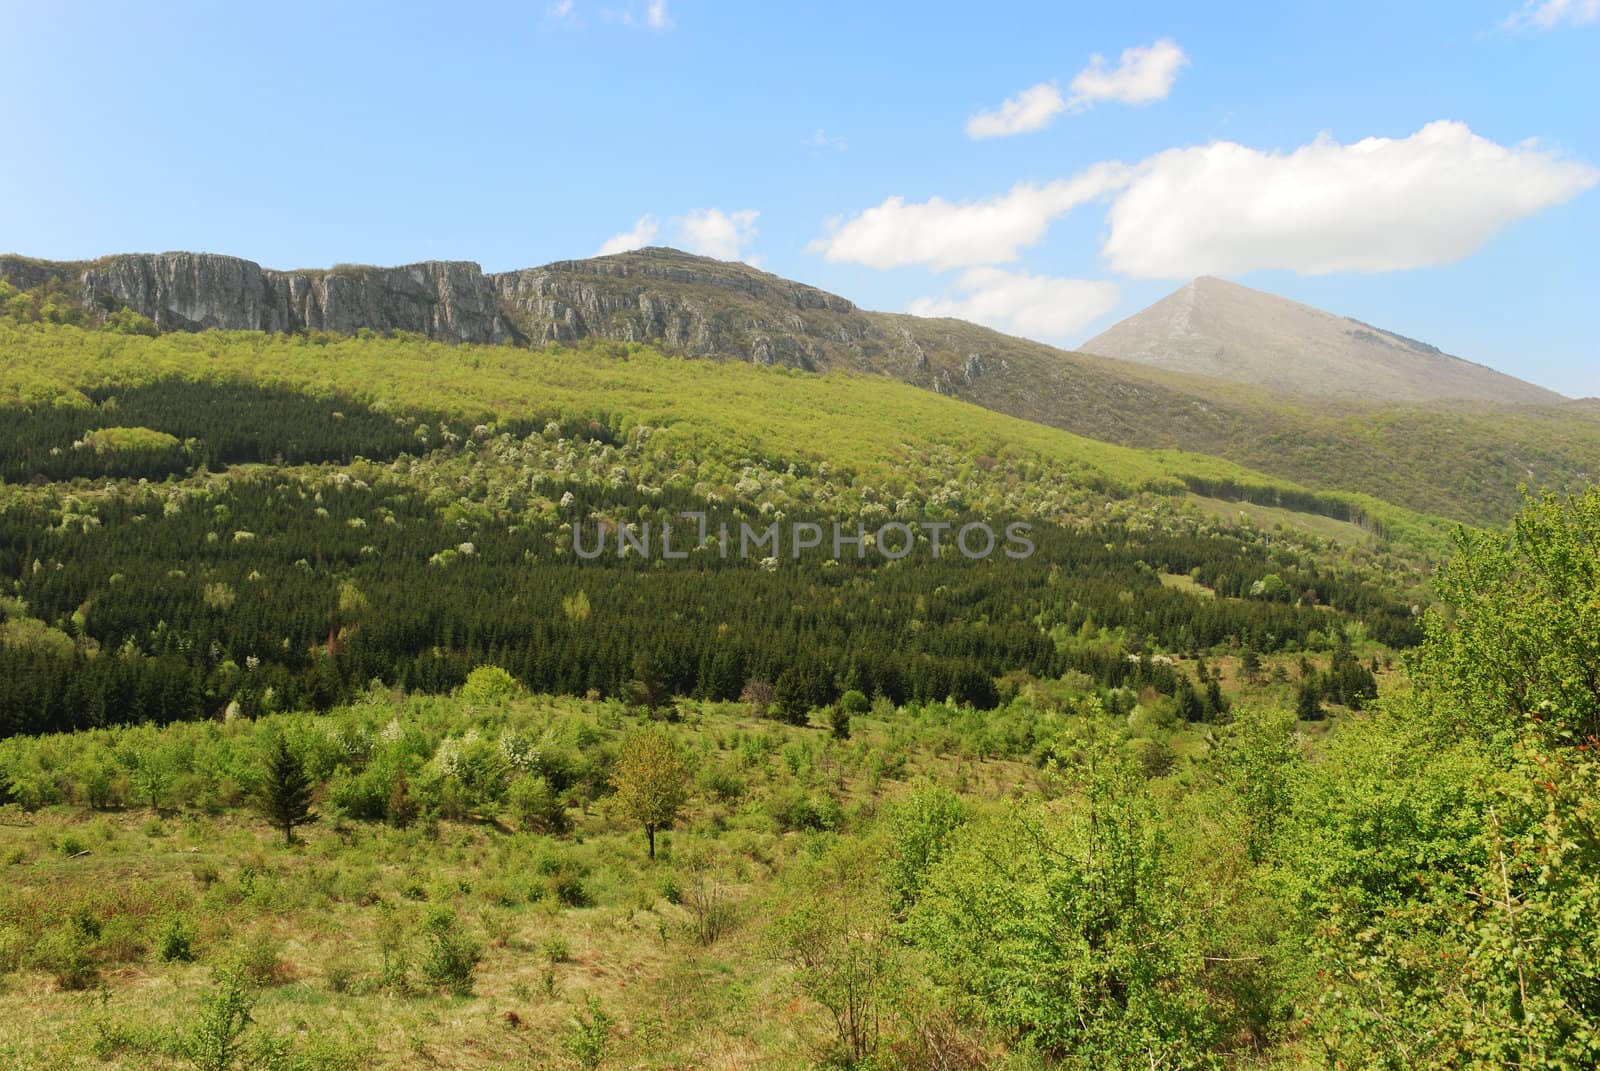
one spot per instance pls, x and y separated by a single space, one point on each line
1219 329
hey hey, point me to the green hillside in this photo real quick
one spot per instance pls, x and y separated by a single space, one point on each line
879 430
1463 461
324 746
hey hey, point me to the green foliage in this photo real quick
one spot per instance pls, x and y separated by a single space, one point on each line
489 685
1070 933
651 782
1517 642
839 721
215 1041
833 929
67 952
176 942
855 703
285 789
922 828
536 806
588 1040
1492 966
452 955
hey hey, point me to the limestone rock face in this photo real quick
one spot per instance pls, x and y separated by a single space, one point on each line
448 300
687 304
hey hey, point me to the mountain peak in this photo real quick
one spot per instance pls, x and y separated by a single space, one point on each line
1217 328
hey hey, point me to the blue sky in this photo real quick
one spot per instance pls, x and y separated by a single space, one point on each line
303 135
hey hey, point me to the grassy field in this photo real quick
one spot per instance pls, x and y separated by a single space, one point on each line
334 928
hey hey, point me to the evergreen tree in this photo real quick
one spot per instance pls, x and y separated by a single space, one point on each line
1308 705
839 720
1216 703
285 795
1189 706
792 697
1250 664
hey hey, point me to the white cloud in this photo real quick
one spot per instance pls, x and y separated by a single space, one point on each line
825 141
1145 75
712 232
1036 306
643 232
1030 110
561 9
1551 14
943 234
1380 204
654 17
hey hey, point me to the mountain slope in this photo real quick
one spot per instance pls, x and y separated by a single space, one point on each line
1476 455
1220 329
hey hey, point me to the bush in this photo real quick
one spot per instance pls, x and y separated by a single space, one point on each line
568 889
176 941
340 975
839 721
452 955
67 953
489 686
588 1040
255 960
797 810
536 806
556 949
921 830
215 1042
363 796
721 784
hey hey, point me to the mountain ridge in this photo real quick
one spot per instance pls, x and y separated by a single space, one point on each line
1478 453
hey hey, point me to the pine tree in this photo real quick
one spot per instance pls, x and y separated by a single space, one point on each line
285 796
1189 706
1216 704
1250 664
839 720
1308 706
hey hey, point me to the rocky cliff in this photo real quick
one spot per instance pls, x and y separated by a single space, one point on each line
688 304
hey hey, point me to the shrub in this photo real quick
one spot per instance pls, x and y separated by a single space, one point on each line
569 890
489 686
215 1042
588 1039
711 908
67 953
536 806
921 830
452 955
839 721
176 941
340 975
256 960
556 949
721 784
796 810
